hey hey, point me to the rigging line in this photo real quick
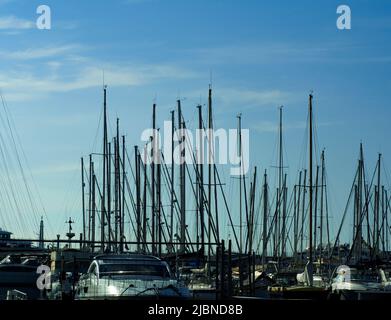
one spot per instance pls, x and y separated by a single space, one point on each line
6 204
33 206
98 130
12 123
257 222
177 210
133 202
222 191
162 207
10 181
167 177
208 205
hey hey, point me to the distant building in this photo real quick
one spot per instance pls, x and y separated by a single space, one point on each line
6 241
4 235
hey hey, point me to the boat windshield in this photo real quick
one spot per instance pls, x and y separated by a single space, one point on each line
367 277
151 270
362 276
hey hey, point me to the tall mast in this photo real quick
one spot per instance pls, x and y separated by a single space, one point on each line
377 213
316 209
145 205
359 206
82 199
103 202
116 192
201 177
153 210
90 199
383 226
159 209
109 231
182 180
122 213
211 143
251 220
321 205
280 187
240 186
172 180
283 227
118 204
361 197
93 203
303 213
297 216
265 214
138 196
210 147
310 178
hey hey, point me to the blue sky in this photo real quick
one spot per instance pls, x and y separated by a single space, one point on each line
261 55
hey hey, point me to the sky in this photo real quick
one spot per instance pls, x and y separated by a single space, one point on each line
258 55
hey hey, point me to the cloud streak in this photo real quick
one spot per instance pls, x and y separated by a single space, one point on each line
23 86
15 23
46 52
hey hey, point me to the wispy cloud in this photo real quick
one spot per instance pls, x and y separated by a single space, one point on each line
33 53
15 23
65 68
22 86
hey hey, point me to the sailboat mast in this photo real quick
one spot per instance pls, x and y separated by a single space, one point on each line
210 147
240 186
159 209
138 196
182 180
118 209
310 178
145 247
279 223
116 192
103 202
93 204
109 231
90 199
316 208
284 229
322 188
265 220
153 178
172 180
122 212
83 199
377 213
201 177
303 215
252 213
